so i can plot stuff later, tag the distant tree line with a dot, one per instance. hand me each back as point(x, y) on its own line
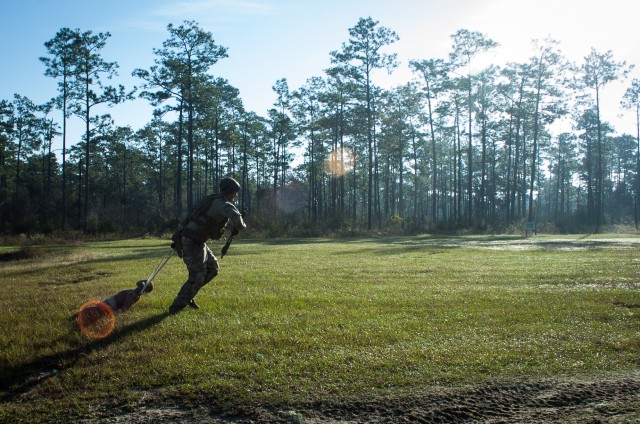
point(452, 149)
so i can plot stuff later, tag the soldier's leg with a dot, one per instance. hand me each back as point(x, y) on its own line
point(212, 266)
point(211, 271)
point(194, 257)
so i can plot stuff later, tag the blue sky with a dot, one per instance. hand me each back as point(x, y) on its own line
point(272, 39)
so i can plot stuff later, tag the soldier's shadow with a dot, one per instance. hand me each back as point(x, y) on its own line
point(19, 379)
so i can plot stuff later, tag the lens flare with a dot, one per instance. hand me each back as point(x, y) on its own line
point(340, 162)
point(95, 319)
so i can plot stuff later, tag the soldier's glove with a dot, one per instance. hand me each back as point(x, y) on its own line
point(234, 231)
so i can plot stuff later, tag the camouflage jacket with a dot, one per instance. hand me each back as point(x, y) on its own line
point(210, 223)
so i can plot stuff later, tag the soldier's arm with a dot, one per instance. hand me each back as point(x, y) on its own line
point(234, 216)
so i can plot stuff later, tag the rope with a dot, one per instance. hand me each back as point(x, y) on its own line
point(155, 272)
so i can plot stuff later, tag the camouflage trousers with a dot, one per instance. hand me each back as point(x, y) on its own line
point(202, 266)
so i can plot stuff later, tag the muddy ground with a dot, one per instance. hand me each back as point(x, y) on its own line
point(613, 399)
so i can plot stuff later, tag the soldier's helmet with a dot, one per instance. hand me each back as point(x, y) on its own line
point(229, 185)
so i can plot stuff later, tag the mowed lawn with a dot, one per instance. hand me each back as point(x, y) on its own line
point(291, 321)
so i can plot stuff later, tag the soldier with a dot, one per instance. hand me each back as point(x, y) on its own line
point(205, 222)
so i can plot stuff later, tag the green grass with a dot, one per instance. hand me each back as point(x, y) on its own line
point(291, 321)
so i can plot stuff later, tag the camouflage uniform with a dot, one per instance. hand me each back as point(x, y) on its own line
point(200, 261)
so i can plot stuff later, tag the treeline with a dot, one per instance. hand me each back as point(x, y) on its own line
point(452, 149)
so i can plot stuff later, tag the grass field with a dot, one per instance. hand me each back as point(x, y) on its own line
point(289, 323)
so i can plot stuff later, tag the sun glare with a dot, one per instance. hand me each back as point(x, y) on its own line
point(340, 162)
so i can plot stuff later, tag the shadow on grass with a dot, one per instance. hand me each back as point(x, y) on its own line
point(296, 241)
point(389, 239)
point(402, 244)
point(19, 379)
point(429, 244)
point(19, 255)
point(153, 255)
